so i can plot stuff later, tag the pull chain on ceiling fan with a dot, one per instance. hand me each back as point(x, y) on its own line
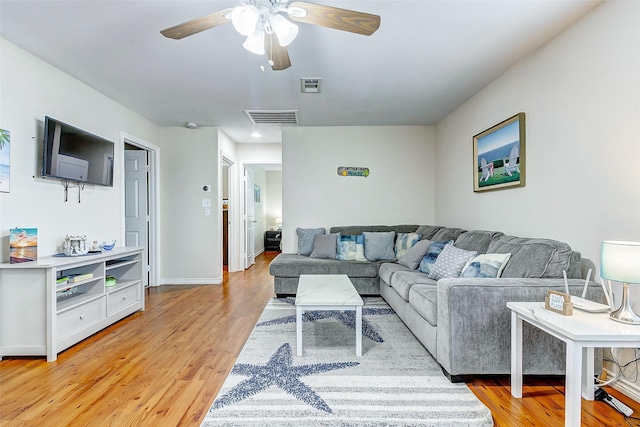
point(268, 31)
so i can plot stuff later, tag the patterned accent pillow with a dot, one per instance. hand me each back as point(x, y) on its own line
point(305, 239)
point(405, 241)
point(430, 257)
point(351, 248)
point(378, 246)
point(485, 265)
point(450, 262)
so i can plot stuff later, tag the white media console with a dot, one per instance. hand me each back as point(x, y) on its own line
point(39, 316)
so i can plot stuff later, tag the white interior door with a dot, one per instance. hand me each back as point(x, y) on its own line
point(249, 218)
point(136, 207)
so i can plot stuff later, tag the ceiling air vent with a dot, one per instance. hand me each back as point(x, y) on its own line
point(273, 117)
point(310, 84)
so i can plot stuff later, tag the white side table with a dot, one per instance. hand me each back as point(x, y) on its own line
point(582, 332)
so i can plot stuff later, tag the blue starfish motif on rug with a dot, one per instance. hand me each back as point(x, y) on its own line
point(348, 318)
point(279, 372)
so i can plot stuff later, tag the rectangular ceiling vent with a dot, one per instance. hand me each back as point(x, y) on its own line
point(310, 84)
point(273, 117)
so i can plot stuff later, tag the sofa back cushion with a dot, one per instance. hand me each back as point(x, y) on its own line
point(535, 258)
point(476, 240)
point(359, 229)
point(447, 233)
point(428, 231)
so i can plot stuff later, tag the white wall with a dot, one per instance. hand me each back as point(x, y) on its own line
point(399, 190)
point(191, 240)
point(581, 97)
point(29, 90)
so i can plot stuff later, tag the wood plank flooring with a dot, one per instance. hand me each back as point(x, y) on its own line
point(164, 367)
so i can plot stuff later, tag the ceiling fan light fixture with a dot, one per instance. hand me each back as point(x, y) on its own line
point(245, 18)
point(297, 12)
point(255, 42)
point(285, 31)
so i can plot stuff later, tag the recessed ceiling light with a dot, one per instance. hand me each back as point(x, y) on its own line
point(256, 135)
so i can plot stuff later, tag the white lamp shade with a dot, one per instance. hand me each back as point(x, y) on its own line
point(620, 261)
point(285, 30)
point(245, 18)
point(255, 42)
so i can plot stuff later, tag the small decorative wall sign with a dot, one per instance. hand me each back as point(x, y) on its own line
point(558, 303)
point(353, 171)
point(23, 245)
point(5, 164)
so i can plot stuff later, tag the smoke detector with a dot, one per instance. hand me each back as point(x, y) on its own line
point(310, 84)
point(191, 125)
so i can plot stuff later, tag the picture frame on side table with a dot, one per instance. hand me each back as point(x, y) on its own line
point(499, 156)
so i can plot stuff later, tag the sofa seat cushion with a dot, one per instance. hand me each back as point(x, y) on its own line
point(292, 265)
point(402, 281)
point(424, 300)
point(533, 258)
point(388, 269)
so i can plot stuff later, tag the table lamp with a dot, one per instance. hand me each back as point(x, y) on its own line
point(620, 262)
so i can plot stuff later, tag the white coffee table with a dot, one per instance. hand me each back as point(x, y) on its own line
point(327, 292)
point(581, 332)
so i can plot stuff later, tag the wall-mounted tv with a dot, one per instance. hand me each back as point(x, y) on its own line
point(76, 155)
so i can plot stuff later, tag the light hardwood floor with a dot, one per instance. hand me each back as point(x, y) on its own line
point(163, 367)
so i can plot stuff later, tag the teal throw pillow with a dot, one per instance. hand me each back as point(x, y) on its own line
point(430, 257)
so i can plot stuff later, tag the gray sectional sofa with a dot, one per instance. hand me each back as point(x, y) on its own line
point(463, 322)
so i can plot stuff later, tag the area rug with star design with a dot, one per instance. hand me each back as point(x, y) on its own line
point(396, 382)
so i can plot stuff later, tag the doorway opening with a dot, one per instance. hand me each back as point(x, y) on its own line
point(141, 161)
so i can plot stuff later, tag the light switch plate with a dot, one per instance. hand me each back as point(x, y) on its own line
point(206, 203)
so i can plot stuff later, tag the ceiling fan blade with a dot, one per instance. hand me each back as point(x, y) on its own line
point(339, 19)
point(276, 53)
point(196, 25)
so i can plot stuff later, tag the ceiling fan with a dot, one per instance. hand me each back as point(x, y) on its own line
point(268, 31)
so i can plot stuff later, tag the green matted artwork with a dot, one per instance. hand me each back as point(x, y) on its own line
point(5, 163)
point(499, 155)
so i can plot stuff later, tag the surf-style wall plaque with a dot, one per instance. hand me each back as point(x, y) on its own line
point(353, 171)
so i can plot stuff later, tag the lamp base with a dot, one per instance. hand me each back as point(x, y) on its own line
point(625, 313)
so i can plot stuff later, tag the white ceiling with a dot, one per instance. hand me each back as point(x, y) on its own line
point(427, 58)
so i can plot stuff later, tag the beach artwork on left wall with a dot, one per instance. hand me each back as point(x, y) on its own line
point(23, 245)
point(5, 165)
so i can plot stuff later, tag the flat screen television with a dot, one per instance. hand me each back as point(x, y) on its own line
point(76, 155)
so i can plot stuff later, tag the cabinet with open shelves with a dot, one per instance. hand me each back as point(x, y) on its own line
point(48, 305)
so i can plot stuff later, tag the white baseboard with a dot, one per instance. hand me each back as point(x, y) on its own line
point(625, 387)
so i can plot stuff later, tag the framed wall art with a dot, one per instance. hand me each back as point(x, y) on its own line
point(5, 160)
point(499, 155)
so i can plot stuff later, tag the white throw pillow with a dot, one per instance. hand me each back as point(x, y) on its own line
point(485, 265)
